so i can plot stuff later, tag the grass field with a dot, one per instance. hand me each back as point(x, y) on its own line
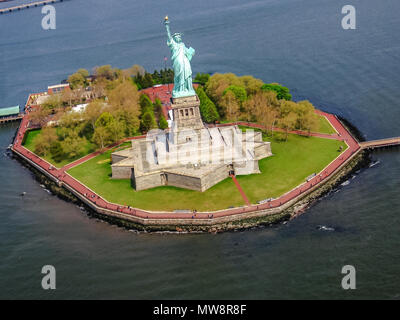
point(29, 143)
point(293, 161)
point(325, 126)
point(96, 174)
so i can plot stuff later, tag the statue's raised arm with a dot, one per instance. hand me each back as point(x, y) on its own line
point(166, 22)
point(180, 57)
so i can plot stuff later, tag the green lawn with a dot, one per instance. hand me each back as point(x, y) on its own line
point(325, 126)
point(96, 174)
point(29, 143)
point(30, 138)
point(293, 161)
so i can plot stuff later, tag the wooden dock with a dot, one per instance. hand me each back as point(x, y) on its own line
point(381, 143)
point(28, 5)
point(11, 118)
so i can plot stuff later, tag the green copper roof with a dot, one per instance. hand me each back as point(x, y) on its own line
point(9, 111)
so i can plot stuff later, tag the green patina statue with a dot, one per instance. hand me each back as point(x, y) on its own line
point(180, 56)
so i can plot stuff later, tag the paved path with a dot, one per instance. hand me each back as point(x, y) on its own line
point(239, 187)
point(63, 177)
point(381, 143)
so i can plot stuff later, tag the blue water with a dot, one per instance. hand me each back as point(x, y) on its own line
point(299, 43)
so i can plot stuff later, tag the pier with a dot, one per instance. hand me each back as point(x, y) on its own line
point(381, 143)
point(10, 114)
point(11, 118)
point(28, 5)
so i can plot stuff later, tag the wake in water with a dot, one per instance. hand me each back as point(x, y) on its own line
point(325, 228)
point(346, 183)
point(373, 164)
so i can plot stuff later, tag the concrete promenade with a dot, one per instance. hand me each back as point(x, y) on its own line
point(380, 143)
point(62, 178)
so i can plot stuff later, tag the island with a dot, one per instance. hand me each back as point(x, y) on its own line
point(158, 152)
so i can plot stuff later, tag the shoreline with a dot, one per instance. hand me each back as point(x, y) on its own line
point(241, 221)
point(286, 207)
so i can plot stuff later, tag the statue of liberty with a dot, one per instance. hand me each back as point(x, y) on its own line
point(180, 56)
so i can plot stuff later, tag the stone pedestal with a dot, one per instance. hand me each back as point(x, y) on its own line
point(186, 113)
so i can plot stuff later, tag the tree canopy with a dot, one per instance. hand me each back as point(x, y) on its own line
point(208, 110)
point(282, 92)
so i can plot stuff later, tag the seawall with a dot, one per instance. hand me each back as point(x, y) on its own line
point(244, 220)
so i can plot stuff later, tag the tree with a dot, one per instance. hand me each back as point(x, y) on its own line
point(44, 141)
point(104, 120)
point(70, 120)
point(251, 84)
point(93, 111)
point(83, 72)
point(116, 130)
point(282, 92)
point(239, 92)
point(53, 102)
point(108, 129)
point(145, 103)
point(148, 122)
point(104, 72)
point(76, 80)
point(101, 137)
point(167, 75)
point(288, 122)
point(306, 117)
point(202, 78)
point(263, 107)
point(133, 71)
point(147, 80)
point(73, 146)
point(217, 85)
point(116, 73)
point(162, 123)
point(99, 88)
point(137, 69)
point(56, 151)
point(287, 107)
point(157, 107)
point(79, 94)
point(38, 116)
point(230, 105)
point(67, 97)
point(124, 106)
point(208, 110)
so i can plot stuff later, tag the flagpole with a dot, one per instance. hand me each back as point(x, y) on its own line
point(165, 68)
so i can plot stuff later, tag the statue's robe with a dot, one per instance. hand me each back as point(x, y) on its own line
point(181, 56)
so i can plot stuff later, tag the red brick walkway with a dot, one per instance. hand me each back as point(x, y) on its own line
point(246, 200)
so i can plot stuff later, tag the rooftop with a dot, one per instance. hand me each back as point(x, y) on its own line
point(10, 111)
